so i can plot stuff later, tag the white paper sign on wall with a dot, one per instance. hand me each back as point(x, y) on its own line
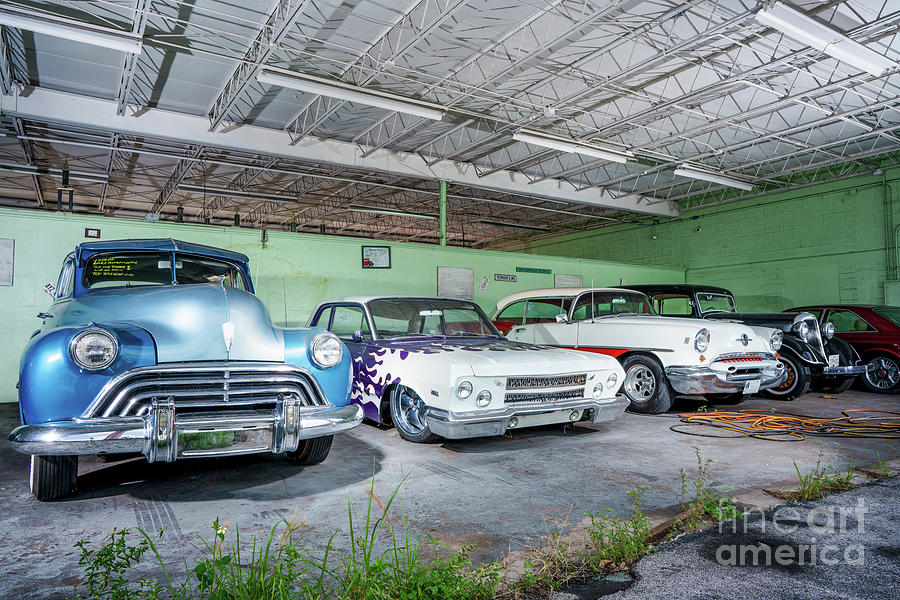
point(568, 281)
point(456, 282)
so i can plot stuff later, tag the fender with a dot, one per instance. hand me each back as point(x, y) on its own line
point(880, 350)
point(800, 350)
point(334, 381)
point(53, 388)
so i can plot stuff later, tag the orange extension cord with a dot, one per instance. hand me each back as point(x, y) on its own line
point(789, 427)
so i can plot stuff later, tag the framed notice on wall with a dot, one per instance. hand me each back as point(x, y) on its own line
point(376, 257)
point(563, 281)
point(7, 252)
point(456, 282)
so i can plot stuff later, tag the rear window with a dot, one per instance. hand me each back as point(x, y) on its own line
point(128, 269)
point(891, 313)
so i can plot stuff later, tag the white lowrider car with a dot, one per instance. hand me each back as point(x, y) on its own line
point(662, 356)
point(432, 366)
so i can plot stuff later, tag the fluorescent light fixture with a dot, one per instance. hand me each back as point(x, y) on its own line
point(695, 173)
point(385, 211)
point(350, 93)
point(514, 225)
point(57, 173)
point(199, 189)
point(544, 140)
point(67, 29)
point(802, 28)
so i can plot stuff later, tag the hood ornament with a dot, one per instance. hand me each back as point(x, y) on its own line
point(744, 339)
point(228, 334)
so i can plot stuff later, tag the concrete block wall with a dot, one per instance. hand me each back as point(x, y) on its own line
point(823, 243)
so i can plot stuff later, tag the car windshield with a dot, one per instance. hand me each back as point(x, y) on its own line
point(610, 304)
point(891, 313)
point(398, 317)
point(716, 302)
point(127, 269)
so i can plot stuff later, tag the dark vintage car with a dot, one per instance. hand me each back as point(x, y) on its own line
point(160, 347)
point(874, 332)
point(811, 354)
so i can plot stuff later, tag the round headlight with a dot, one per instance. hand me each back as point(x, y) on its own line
point(612, 380)
point(701, 340)
point(801, 329)
point(828, 330)
point(327, 350)
point(598, 391)
point(94, 349)
point(483, 398)
point(463, 390)
point(776, 340)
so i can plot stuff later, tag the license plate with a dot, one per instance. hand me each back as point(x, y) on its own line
point(751, 387)
point(834, 360)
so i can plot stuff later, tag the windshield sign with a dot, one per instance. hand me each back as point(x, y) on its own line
point(155, 268)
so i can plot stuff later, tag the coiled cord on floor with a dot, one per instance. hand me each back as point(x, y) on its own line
point(790, 427)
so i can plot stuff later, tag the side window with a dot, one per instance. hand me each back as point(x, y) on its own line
point(65, 286)
point(543, 310)
point(674, 306)
point(582, 308)
point(515, 312)
point(846, 321)
point(322, 319)
point(348, 319)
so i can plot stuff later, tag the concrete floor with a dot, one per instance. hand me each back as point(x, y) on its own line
point(499, 493)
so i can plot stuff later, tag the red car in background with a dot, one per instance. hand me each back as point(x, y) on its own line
point(874, 332)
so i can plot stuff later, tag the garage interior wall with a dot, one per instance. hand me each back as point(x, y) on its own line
point(292, 273)
point(831, 242)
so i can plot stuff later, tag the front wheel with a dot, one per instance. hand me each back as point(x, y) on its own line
point(646, 385)
point(797, 382)
point(312, 451)
point(883, 374)
point(731, 399)
point(53, 477)
point(408, 415)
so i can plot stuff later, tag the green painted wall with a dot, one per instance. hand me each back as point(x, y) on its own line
point(292, 273)
point(824, 243)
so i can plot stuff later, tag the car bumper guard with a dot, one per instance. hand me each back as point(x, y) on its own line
point(704, 380)
point(164, 435)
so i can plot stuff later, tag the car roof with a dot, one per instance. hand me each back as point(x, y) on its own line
point(676, 287)
point(869, 306)
point(365, 299)
point(162, 245)
point(550, 292)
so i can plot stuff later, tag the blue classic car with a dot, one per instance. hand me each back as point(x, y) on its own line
point(159, 347)
point(438, 367)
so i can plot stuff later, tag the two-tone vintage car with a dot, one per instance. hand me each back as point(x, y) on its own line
point(159, 347)
point(812, 355)
point(662, 357)
point(438, 367)
point(874, 332)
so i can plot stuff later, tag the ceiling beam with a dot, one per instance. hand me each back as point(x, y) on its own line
point(46, 105)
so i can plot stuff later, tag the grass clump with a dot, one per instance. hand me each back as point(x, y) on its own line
point(703, 504)
point(819, 481)
point(616, 541)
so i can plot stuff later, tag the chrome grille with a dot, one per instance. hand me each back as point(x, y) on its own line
point(741, 357)
point(524, 383)
point(205, 386)
point(544, 397)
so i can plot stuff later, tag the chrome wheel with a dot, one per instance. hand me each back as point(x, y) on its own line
point(640, 383)
point(883, 373)
point(409, 412)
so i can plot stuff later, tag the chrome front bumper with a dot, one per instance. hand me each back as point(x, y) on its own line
point(162, 435)
point(459, 425)
point(705, 380)
point(859, 368)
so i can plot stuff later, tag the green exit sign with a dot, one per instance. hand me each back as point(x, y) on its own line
point(533, 270)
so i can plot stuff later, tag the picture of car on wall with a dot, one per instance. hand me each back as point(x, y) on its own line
point(723, 362)
point(160, 347)
point(438, 367)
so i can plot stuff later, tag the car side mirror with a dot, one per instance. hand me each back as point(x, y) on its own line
point(358, 336)
point(562, 318)
point(50, 289)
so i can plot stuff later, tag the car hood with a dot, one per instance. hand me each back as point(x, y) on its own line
point(493, 357)
point(198, 322)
